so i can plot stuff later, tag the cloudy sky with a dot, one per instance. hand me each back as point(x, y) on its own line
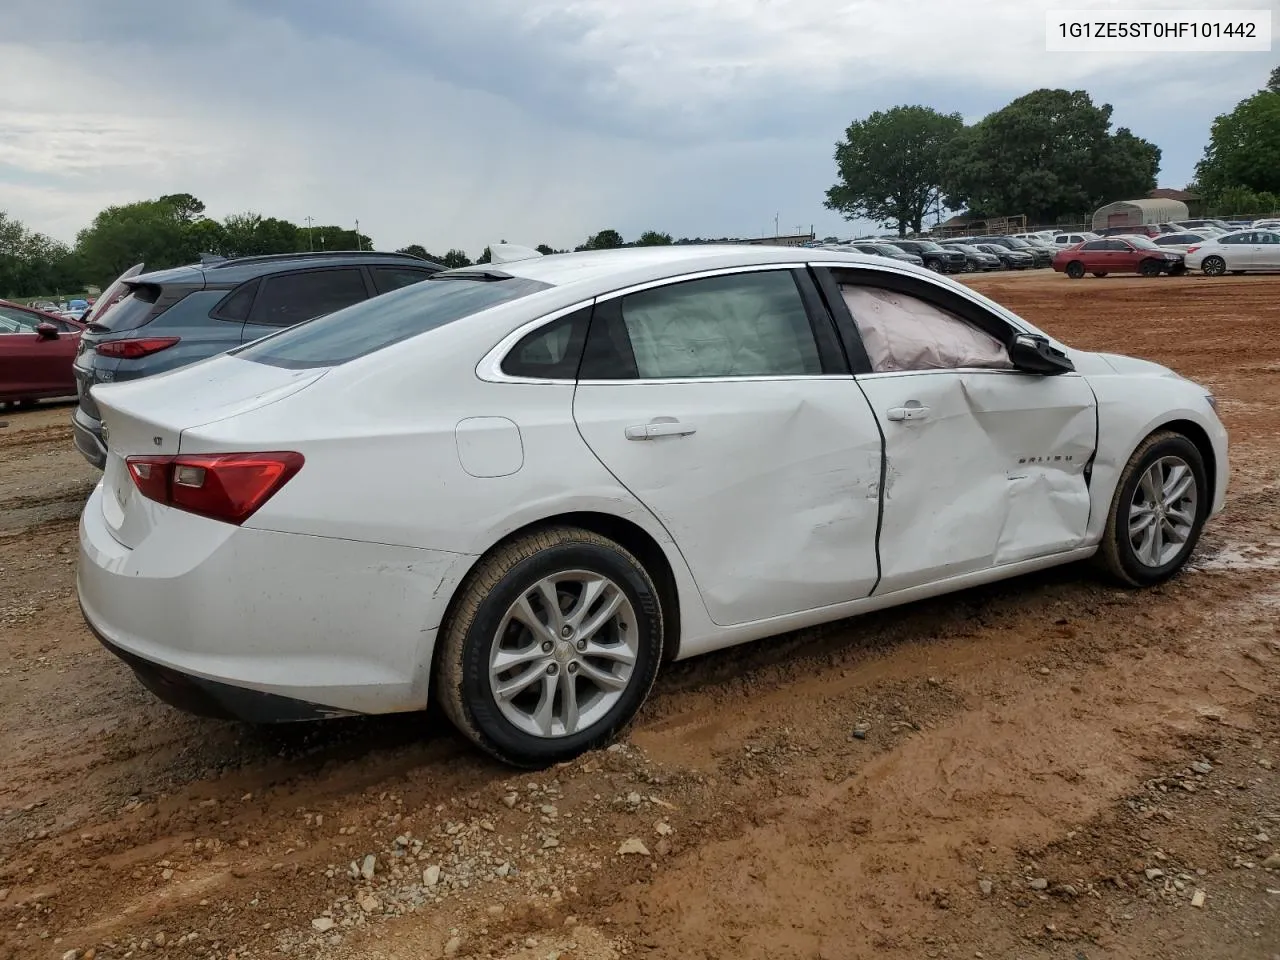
point(535, 121)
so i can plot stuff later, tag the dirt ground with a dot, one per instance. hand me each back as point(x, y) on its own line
point(1049, 767)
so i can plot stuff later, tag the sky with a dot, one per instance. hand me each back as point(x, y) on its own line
point(532, 121)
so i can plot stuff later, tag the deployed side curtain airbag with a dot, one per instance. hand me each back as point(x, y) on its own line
point(742, 325)
point(901, 332)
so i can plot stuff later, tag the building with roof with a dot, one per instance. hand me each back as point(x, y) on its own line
point(1132, 213)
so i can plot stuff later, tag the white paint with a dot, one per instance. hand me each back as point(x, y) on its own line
point(767, 500)
point(333, 591)
point(993, 475)
point(489, 446)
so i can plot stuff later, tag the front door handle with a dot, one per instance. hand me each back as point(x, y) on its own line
point(659, 428)
point(912, 410)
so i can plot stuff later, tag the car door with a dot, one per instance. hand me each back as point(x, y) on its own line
point(285, 299)
point(984, 465)
point(723, 403)
point(1266, 245)
point(1255, 251)
point(1093, 255)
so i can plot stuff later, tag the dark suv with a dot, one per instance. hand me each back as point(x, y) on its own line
point(170, 318)
point(935, 257)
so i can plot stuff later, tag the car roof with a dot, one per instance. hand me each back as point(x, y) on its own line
point(229, 272)
point(605, 270)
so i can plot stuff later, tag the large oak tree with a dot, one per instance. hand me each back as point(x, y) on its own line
point(890, 165)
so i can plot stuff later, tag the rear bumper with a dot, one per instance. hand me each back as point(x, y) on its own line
point(86, 432)
point(210, 698)
point(236, 621)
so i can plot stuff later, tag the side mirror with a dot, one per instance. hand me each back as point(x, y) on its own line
point(1033, 354)
point(46, 331)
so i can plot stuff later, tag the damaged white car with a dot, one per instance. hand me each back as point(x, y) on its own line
point(519, 488)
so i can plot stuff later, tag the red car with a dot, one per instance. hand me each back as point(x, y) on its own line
point(1118, 255)
point(36, 351)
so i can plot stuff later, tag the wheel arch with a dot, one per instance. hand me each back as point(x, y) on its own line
point(626, 533)
point(1200, 438)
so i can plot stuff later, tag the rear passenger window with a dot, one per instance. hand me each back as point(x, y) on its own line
point(295, 297)
point(1095, 245)
point(387, 279)
point(551, 352)
point(236, 307)
point(741, 325)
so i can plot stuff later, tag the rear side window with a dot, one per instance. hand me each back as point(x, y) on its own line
point(376, 324)
point(387, 279)
point(551, 352)
point(293, 297)
point(1095, 245)
point(236, 306)
point(131, 312)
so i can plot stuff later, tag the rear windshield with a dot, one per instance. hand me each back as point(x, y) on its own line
point(129, 313)
point(371, 325)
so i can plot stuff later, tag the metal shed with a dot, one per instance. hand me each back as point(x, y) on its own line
point(1132, 213)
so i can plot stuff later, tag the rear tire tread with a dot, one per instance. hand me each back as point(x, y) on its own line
point(477, 586)
point(1108, 558)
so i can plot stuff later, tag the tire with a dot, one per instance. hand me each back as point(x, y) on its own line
point(465, 683)
point(1117, 555)
point(1213, 266)
point(1150, 268)
point(935, 265)
point(1075, 270)
point(1103, 274)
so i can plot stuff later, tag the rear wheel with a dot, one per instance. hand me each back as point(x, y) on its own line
point(552, 647)
point(1214, 266)
point(1157, 513)
point(1150, 268)
point(1075, 270)
point(935, 266)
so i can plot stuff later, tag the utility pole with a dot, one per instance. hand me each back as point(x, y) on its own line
point(775, 223)
point(357, 234)
point(311, 243)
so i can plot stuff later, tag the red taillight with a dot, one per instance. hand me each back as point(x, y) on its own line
point(133, 349)
point(1193, 249)
point(222, 486)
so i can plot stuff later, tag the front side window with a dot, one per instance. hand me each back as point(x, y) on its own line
point(902, 332)
point(739, 325)
point(1263, 236)
point(293, 297)
point(17, 321)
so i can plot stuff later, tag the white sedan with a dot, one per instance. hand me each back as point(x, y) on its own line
point(1240, 252)
point(521, 487)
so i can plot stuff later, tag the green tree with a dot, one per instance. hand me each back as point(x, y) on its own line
point(331, 238)
point(485, 257)
point(154, 232)
point(33, 264)
point(250, 234)
point(1047, 154)
point(652, 238)
point(455, 258)
point(1273, 81)
point(1244, 148)
point(545, 250)
point(604, 240)
point(890, 165)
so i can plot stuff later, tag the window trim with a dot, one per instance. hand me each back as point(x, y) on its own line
point(489, 369)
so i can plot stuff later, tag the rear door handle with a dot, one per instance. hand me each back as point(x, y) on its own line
point(911, 411)
point(659, 428)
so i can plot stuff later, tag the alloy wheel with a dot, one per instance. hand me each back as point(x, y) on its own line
point(564, 654)
point(1214, 266)
point(1162, 514)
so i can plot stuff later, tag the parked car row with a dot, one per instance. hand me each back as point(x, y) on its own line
point(957, 254)
point(1173, 254)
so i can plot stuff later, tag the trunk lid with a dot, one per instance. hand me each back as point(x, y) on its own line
point(147, 418)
